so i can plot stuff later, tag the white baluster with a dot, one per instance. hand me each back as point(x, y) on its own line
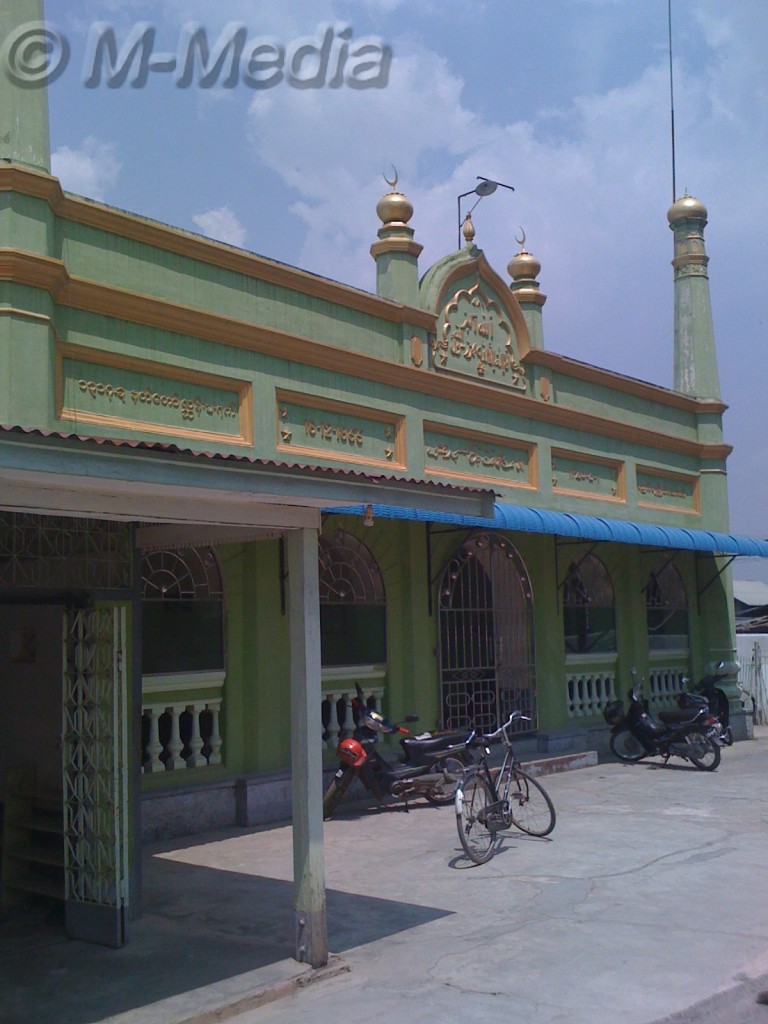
point(174, 745)
point(154, 747)
point(195, 759)
point(333, 723)
point(215, 741)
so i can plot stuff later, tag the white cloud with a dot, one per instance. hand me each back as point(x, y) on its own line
point(90, 170)
point(222, 225)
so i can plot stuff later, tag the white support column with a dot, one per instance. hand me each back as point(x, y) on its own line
point(333, 725)
point(306, 748)
point(214, 706)
point(174, 745)
point(195, 759)
point(154, 746)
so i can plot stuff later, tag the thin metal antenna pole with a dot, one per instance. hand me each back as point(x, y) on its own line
point(671, 99)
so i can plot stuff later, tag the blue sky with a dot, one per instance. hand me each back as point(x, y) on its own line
point(566, 100)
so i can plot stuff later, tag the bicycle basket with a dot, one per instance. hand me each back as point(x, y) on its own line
point(614, 712)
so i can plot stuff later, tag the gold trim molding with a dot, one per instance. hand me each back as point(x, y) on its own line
point(107, 300)
point(164, 236)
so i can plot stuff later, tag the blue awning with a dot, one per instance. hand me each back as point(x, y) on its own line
point(579, 527)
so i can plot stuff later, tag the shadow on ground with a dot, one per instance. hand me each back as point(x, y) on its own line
point(203, 927)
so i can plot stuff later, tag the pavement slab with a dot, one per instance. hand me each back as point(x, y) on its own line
point(647, 904)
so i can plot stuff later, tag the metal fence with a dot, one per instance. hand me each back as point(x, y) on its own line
point(752, 654)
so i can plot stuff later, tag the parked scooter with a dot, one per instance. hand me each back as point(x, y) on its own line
point(677, 732)
point(430, 766)
point(717, 703)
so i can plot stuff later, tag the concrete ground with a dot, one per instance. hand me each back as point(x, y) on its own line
point(649, 903)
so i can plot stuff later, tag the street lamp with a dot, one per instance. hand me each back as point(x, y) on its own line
point(484, 187)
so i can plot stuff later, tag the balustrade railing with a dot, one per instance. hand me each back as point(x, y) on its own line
point(338, 692)
point(181, 721)
point(666, 682)
point(589, 686)
point(181, 715)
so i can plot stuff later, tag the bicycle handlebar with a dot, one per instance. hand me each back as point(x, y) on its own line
point(516, 716)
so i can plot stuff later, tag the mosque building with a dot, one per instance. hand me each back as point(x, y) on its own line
point(230, 490)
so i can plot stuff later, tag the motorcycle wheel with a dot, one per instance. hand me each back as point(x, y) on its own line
point(455, 768)
point(727, 736)
point(335, 792)
point(704, 752)
point(625, 747)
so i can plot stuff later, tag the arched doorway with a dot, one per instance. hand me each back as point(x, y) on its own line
point(487, 664)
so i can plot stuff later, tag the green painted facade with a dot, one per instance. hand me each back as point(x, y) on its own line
point(259, 376)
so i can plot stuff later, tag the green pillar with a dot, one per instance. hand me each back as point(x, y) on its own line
point(23, 107)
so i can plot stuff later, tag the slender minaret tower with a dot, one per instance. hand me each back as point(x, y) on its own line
point(695, 357)
point(396, 253)
point(23, 107)
point(524, 268)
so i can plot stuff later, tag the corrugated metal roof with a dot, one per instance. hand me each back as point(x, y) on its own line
point(574, 525)
point(294, 467)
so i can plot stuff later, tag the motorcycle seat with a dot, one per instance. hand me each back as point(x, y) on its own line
point(675, 716)
point(433, 744)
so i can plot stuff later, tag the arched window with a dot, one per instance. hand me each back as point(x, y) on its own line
point(666, 610)
point(353, 621)
point(183, 611)
point(589, 608)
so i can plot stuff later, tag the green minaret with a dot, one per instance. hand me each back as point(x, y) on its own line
point(695, 357)
point(524, 268)
point(23, 109)
point(396, 253)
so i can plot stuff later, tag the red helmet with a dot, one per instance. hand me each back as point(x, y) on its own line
point(351, 752)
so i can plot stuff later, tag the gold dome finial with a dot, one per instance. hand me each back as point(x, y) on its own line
point(523, 266)
point(687, 207)
point(468, 229)
point(394, 209)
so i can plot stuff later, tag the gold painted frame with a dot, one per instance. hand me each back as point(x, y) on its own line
point(241, 390)
point(592, 460)
point(665, 474)
point(398, 459)
point(465, 434)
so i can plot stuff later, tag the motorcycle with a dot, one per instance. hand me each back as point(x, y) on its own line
point(430, 765)
point(717, 702)
point(676, 732)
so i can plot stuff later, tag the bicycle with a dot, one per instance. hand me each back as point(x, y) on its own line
point(490, 800)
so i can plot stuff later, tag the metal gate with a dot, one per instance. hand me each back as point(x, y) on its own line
point(95, 763)
point(487, 665)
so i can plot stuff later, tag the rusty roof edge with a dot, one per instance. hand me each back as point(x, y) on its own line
point(299, 469)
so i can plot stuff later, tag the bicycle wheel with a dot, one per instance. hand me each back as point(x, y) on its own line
point(473, 796)
point(704, 751)
point(530, 808)
point(336, 790)
point(624, 746)
point(454, 770)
